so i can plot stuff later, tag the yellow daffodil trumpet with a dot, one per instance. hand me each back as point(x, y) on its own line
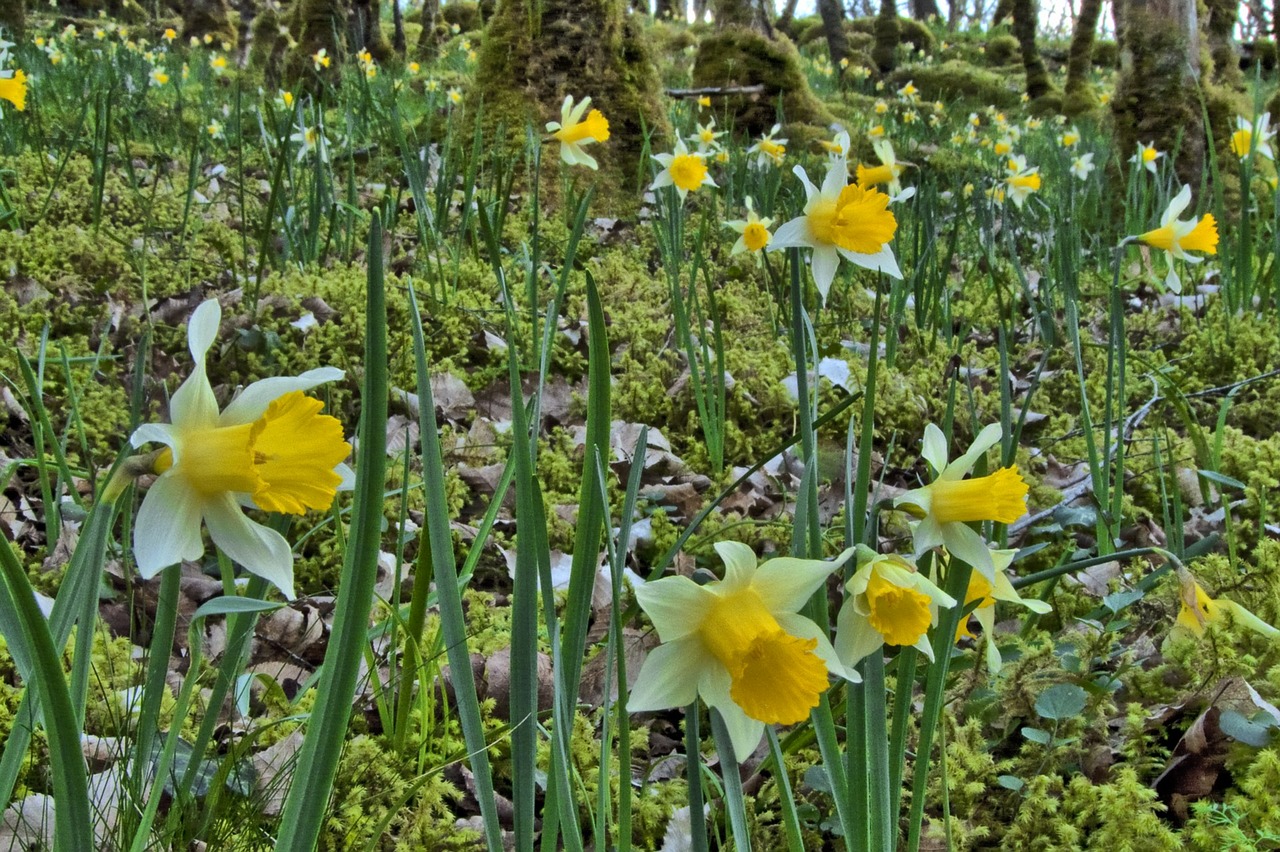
point(889, 603)
point(573, 131)
point(1175, 237)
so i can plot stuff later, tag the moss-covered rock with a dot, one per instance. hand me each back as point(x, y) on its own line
point(464, 15)
point(268, 45)
point(910, 31)
point(1001, 50)
point(736, 56)
point(957, 79)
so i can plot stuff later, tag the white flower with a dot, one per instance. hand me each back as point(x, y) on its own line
point(1082, 166)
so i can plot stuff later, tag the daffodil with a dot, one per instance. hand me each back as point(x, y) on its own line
point(704, 101)
point(886, 173)
point(455, 96)
point(946, 506)
point(1082, 166)
point(1146, 157)
point(270, 448)
point(13, 88)
point(1198, 610)
point(1070, 138)
point(1253, 136)
point(1175, 237)
point(170, 34)
point(218, 63)
point(889, 602)
point(769, 150)
point(739, 643)
point(986, 593)
point(707, 138)
point(573, 131)
point(838, 147)
point(753, 232)
point(159, 77)
point(1023, 180)
point(841, 220)
point(909, 92)
point(1003, 147)
point(686, 171)
point(320, 59)
point(311, 139)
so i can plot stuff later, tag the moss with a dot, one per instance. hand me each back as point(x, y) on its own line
point(1001, 50)
point(209, 17)
point(737, 56)
point(956, 79)
point(910, 31)
point(1106, 54)
point(269, 43)
point(1247, 818)
point(465, 15)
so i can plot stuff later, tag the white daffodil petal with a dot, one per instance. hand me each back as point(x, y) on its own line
point(1176, 205)
point(663, 179)
point(348, 477)
point(202, 328)
point(792, 234)
point(966, 545)
point(881, 261)
point(193, 404)
point(675, 605)
point(258, 549)
point(826, 260)
point(926, 534)
point(934, 448)
point(786, 583)
point(152, 433)
point(987, 438)
point(739, 566)
point(836, 178)
point(252, 402)
point(167, 528)
point(855, 637)
point(810, 191)
point(669, 676)
point(744, 732)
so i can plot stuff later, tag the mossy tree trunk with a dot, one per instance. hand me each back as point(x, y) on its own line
point(397, 18)
point(750, 14)
point(1004, 8)
point(1219, 27)
point(922, 10)
point(833, 28)
point(207, 17)
point(1080, 96)
point(317, 25)
point(1156, 99)
point(429, 38)
point(665, 10)
point(885, 51)
point(788, 15)
point(954, 10)
point(13, 19)
point(1025, 18)
point(529, 61)
point(268, 45)
point(366, 27)
point(700, 10)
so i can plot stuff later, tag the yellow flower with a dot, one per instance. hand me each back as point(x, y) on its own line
point(573, 131)
point(946, 506)
point(739, 643)
point(455, 96)
point(1198, 610)
point(218, 63)
point(704, 101)
point(320, 59)
point(1104, 98)
point(886, 173)
point(881, 107)
point(841, 221)
point(286, 99)
point(708, 138)
point(753, 232)
point(14, 90)
point(1242, 141)
point(414, 68)
point(876, 132)
point(170, 34)
point(839, 146)
point(1022, 180)
point(909, 91)
point(986, 593)
point(159, 77)
point(1003, 147)
point(682, 169)
point(889, 602)
point(1070, 138)
point(768, 150)
point(1175, 237)
point(270, 448)
point(1146, 157)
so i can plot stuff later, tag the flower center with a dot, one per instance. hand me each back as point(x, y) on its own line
point(1030, 182)
point(1149, 155)
point(1203, 237)
point(858, 221)
point(776, 677)
point(774, 150)
point(870, 176)
point(898, 614)
point(688, 171)
point(755, 236)
point(1002, 497)
point(595, 128)
point(980, 591)
point(285, 459)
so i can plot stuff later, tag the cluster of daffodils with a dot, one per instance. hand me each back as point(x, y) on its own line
point(367, 64)
point(1176, 237)
point(741, 644)
point(269, 449)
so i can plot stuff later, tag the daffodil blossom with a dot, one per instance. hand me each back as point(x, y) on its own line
point(682, 169)
point(1253, 136)
point(707, 137)
point(311, 139)
point(1198, 610)
point(884, 174)
point(1082, 166)
point(1175, 237)
point(739, 643)
point(753, 232)
point(270, 448)
point(1022, 180)
point(946, 506)
point(573, 131)
point(986, 593)
point(838, 147)
point(1146, 157)
point(889, 602)
point(841, 220)
point(13, 88)
point(768, 150)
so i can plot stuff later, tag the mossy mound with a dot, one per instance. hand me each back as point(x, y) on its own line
point(590, 48)
point(465, 16)
point(1002, 50)
point(1261, 52)
point(268, 45)
point(209, 18)
point(737, 56)
point(958, 79)
point(1106, 54)
point(910, 31)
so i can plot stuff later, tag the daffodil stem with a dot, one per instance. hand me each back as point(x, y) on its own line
point(884, 821)
point(790, 817)
point(693, 772)
point(731, 774)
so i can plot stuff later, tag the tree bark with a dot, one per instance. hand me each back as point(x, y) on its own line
point(207, 17)
point(833, 28)
point(1025, 19)
point(318, 24)
point(1004, 8)
point(749, 14)
point(397, 18)
point(885, 51)
point(922, 10)
point(1080, 55)
point(664, 10)
point(13, 19)
point(788, 15)
point(428, 39)
point(1219, 27)
point(1156, 99)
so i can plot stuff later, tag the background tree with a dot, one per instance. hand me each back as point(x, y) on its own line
point(1026, 16)
point(664, 10)
point(13, 19)
point(535, 53)
point(833, 28)
point(1219, 32)
point(432, 34)
point(1080, 96)
point(317, 25)
point(885, 51)
point(923, 10)
point(1156, 99)
point(208, 17)
point(746, 50)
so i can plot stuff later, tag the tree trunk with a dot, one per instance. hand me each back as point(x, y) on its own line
point(923, 10)
point(665, 10)
point(207, 17)
point(788, 15)
point(885, 51)
point(13, 19)
point(397, 18)
point(833, 28)
point(1156, 99)
point(429, 39)
point(1025, 19)
point(318, 25)
point(700, 10)
point(749, 14)
point(954, 10)
point(1004, 8)
point(1219, 28)
point(366, 27)
point(1080, 57)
